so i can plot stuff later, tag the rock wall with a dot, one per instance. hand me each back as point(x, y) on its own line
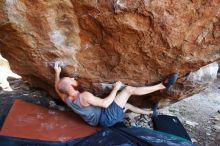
point(136, 41)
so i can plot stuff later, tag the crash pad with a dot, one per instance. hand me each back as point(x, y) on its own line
point(27, 120)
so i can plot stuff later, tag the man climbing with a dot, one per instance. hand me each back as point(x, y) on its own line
point(109, 110)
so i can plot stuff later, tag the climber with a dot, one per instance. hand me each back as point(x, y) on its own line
point(109, 110)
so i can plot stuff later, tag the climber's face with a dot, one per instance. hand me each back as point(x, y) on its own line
point(68, 86)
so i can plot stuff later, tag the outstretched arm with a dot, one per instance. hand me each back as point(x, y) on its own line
point(57, 69)
point(96, 101)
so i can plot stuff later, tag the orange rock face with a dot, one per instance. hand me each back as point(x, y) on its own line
point(138, 42)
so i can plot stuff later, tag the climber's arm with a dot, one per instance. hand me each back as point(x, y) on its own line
point(57, 69)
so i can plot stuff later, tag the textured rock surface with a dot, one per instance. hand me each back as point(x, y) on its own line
point(138, 42)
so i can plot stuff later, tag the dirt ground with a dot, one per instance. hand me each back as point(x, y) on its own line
point(198, 113)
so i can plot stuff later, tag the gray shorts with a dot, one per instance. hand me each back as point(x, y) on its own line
point(111, 115)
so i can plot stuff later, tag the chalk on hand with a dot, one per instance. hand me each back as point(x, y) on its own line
point(52, 63)
point(108, 86)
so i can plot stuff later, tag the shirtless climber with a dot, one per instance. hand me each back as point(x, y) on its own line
point(109, 110)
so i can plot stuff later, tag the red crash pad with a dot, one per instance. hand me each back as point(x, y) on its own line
point(27, 120)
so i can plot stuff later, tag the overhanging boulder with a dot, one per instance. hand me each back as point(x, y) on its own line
point(137, 42)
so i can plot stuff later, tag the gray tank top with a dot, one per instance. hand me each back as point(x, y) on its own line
point(90, 114)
